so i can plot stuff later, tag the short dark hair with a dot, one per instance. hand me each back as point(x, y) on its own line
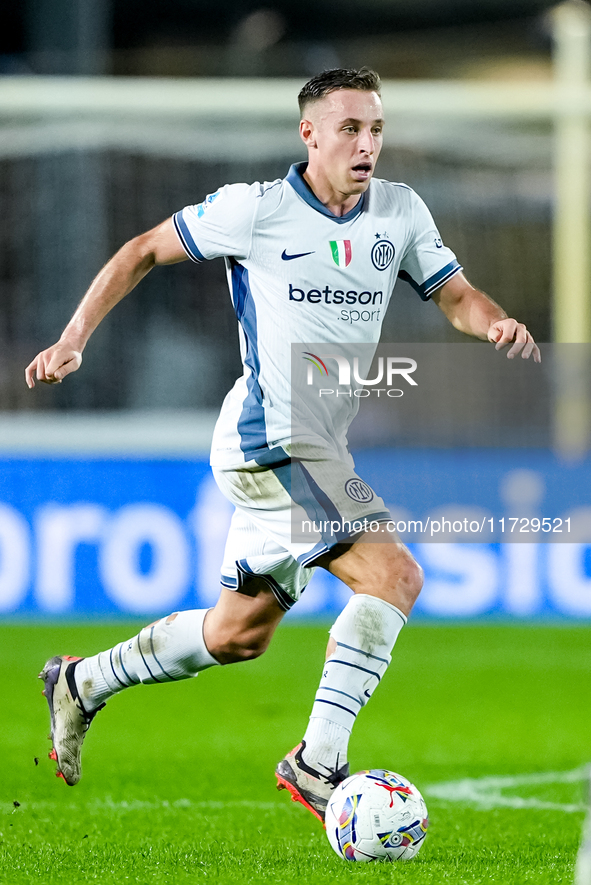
point(364, 79)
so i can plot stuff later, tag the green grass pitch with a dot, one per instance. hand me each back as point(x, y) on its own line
point(178, 779)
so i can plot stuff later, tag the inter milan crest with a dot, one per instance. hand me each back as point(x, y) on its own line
point(382, 253)
point(358, 490)
point(341, 252)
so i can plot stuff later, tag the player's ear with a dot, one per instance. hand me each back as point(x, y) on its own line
point(307, 133)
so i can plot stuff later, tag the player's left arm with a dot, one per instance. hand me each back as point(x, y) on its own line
point(471, 311)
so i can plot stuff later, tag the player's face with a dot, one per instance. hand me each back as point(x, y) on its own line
point(343, 132)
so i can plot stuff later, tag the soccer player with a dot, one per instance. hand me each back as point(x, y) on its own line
point(301, 258)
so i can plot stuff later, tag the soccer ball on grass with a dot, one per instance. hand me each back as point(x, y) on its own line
point(376, 815)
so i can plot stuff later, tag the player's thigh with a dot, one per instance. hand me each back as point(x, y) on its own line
point(378, 564)
point(241, 625)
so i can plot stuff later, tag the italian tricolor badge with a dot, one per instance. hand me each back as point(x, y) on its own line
point(341, 252)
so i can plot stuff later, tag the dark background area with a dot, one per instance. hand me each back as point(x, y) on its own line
point(284, 37)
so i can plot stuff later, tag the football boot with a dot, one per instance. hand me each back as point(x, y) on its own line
point(307, 785)
point(69, 720)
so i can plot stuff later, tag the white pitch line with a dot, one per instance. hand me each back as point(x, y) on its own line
point(486, 792)
point(482, 792)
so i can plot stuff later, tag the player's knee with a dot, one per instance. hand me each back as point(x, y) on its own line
point(412, 578)
point(403, 570)
point(407, 577)
point(400, 579)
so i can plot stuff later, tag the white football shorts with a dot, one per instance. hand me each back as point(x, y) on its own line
point(287, 515)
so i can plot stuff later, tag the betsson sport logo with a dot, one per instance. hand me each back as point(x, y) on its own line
point(388, 368)
point(368, 304)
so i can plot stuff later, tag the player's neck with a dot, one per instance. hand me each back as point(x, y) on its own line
point(337, 203)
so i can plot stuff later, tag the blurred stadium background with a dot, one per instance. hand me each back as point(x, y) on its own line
point(115, 115)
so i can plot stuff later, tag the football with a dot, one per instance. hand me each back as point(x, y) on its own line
point(376, 815)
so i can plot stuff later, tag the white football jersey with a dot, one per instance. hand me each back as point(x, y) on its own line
point(297, 273)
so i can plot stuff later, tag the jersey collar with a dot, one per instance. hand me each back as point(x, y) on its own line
point(295, 176)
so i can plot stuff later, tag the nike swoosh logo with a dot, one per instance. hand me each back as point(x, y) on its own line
point(287, 257)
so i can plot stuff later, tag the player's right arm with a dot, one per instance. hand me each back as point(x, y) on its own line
point(118, 277)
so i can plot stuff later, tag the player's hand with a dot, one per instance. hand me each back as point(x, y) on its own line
point(52, 365)
point(509, 331)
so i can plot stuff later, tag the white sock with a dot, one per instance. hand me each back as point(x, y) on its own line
point(166, 651)
point(365, 633)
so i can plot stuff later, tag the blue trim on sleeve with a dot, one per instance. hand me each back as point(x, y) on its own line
point(434, 282)
point(187, 241)
point(441, 277)
point(298, 183)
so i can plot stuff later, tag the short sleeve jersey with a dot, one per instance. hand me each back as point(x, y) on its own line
point(298, 273)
